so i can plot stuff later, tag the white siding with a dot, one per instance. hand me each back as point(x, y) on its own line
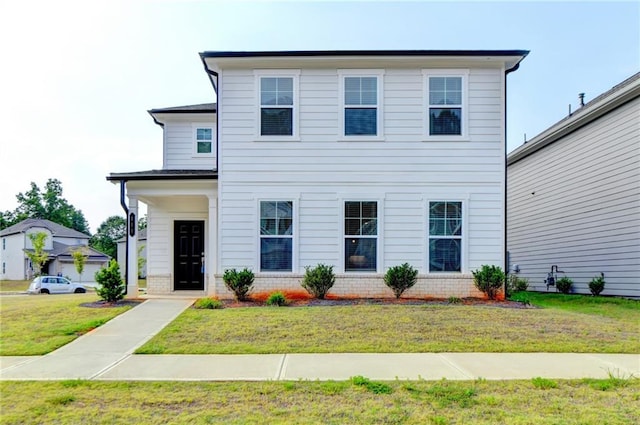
point(179, 145)
point(576, 204)
point(13, 257)
point(403, 171)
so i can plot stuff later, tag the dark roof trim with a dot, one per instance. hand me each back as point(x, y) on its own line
point(187, 109)
point(308, 53)
point(164, 175)
point(617, 96)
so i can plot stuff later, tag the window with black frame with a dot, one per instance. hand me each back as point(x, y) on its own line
point(445, 236)
point(360, 235)
point(276, 236)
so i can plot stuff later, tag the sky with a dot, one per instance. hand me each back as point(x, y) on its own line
point(76, 78)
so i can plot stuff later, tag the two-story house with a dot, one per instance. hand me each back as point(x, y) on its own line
point(357, 159)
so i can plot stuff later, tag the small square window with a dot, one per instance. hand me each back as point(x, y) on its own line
point(204, 140)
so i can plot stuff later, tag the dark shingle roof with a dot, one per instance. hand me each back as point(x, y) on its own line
point(55, 228)
point(164, 175)
point(202, 107)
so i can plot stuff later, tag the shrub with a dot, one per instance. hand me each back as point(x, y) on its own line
point(454, 300)
point(400, 278)
point(208, 304)
point(596, 285)
point(239, 282)
point(318, 280)
point(564, 285)
point(277, 299)
point(111, 287)
point(489, 279)
point(516, 284)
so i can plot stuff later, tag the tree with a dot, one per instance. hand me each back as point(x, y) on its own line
point(79, 260)
point(111, 288)
point(107, 235)
point(38, 256)
point(45, 204)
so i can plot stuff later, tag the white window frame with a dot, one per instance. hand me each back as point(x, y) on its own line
point(379, 232)
point(379, 75)
point(464, 122)
point(463, 238)
point(295, 115)
point(195, 128)
point(293, 236)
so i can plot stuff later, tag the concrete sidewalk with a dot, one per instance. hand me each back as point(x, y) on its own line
point(106, 354)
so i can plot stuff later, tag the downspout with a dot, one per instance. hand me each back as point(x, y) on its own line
point(506, 252)
point(213, 74)
point(126, 243)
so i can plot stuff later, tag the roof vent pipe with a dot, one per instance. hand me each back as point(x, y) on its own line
point(581, 97)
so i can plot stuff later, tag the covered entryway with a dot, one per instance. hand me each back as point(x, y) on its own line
point(188, 254)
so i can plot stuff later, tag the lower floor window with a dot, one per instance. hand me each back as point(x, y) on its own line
point(361, 236)
point(276, 236)
point(445, 236)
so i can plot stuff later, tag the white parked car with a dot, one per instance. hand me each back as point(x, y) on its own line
point(54, 285)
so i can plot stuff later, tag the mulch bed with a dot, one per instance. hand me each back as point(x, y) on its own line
point(122, 303)
point(313, 302)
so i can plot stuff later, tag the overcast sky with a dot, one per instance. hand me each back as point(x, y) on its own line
point(77, 78)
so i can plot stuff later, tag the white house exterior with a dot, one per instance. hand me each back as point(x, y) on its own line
point(574, 196)
point(357, 159)
point(59, 245)
point(141, 253)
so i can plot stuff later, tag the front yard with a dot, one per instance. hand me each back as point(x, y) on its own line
point(566, 324)
point(38, 324)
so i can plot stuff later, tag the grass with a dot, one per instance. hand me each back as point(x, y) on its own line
point(14, 285)
point(39, 324)
point(358, 401)
point(581, 326)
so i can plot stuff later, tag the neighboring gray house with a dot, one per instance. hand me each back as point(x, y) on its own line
point(362, 160)
point(59, 244)
point(574, 196)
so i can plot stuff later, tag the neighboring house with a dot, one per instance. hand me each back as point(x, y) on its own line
point(141, 250)
point(574, 196)
point(59, 245)
point(358, 159)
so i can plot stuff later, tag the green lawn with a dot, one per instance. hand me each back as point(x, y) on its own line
point(573, 324)
point(38, 324)
point(14, 285)
point(359, 401)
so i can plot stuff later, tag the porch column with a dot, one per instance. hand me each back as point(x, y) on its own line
point(132, 243)
point(211, 264)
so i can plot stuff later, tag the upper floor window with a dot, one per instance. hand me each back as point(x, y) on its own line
point(276, 236)
point(204, 140)
point(360, 236)
point(446, 98)
point(445, 236)
point(361, 113)
point(277, 105)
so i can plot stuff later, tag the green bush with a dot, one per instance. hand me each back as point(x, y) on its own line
point(400, 278)
point(544, 383)
point(596, 285)
point(111, 288)
point(489, 279)
point(516, 284)
point(208, 303)
point(564, 285)
point(239, 282)
point(371, 386)
point(318, 280)
point(277, 299)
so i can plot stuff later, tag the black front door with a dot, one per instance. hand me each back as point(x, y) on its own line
point(188, 254)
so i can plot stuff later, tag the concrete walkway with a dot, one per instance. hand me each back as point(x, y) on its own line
point(106, 354)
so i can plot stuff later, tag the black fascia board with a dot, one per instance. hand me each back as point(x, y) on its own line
point(301, 53)
point(155, 177)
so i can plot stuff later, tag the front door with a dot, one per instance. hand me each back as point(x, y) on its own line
point(188, 255)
